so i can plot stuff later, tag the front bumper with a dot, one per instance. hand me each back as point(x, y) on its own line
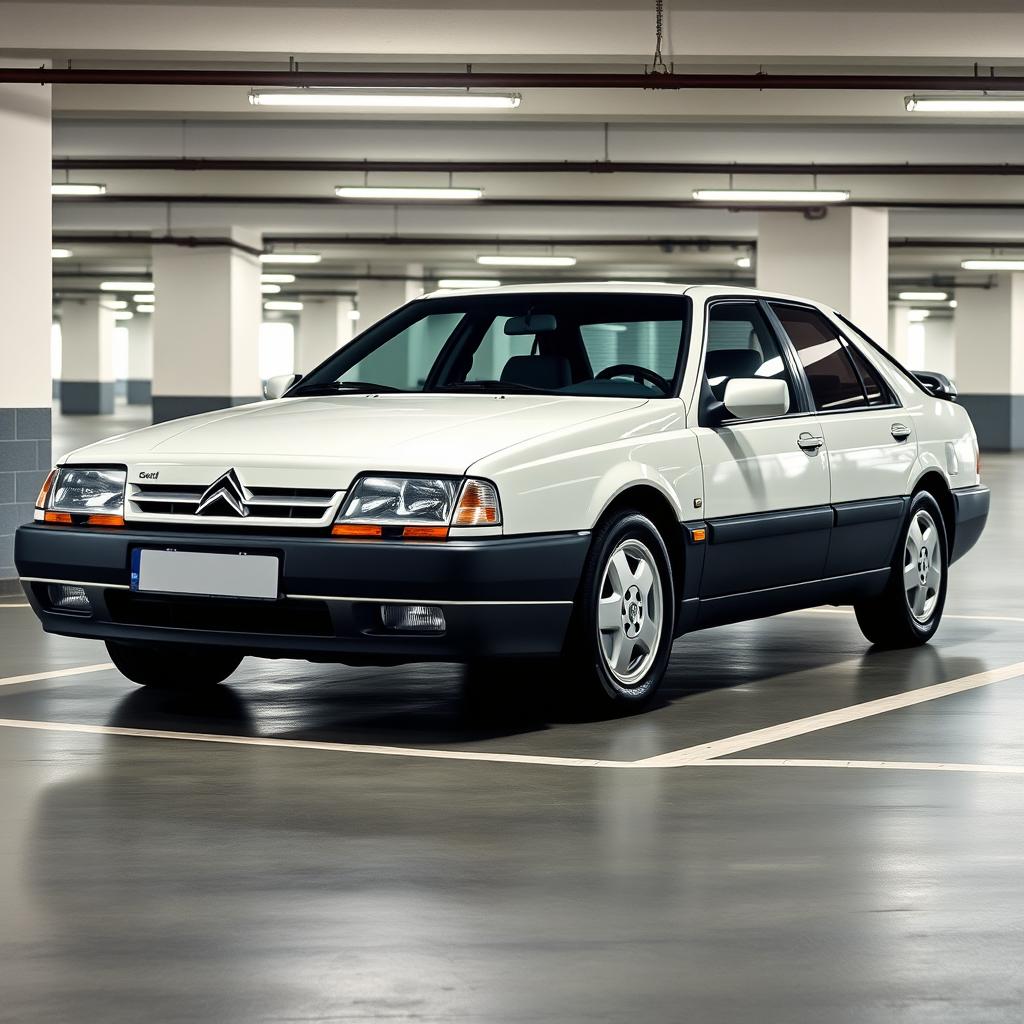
point(971, 512)
point(501, 596)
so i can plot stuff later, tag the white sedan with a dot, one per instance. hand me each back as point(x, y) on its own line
point(581, 472)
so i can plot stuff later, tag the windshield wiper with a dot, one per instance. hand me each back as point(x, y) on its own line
point(345, 387)
point(496, 386)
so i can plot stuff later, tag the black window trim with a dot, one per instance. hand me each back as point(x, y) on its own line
point(888, 357)
point(893, 403)
point(802, 390)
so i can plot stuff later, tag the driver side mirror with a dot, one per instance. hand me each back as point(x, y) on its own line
point(749, 398)
point(937, 384)
point(277, 386)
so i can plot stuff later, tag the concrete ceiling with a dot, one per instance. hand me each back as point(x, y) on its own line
point(617, 224)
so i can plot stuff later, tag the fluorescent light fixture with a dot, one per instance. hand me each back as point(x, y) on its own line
point(992, 264)
point(290, 257)
point(915, 316)
point(145, 307)
point(526, 261)
point(354, 314)
point(405, 192)
point(126, 286)
point(282, 304)
point(976, 104)
point(277, 278)
point(614, 328)
point(270, 289)
point(60, 254)
point(743, 262)
point(123, 314)
point(70, 188)
point(143, 297)
point(771, 195)
point(385, 99)
point(116, 304)
point(468, 282)
point(923, 296)
point(953, 303)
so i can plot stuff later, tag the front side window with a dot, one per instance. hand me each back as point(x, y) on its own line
point(618, 345)
point(823, 353)
point(740, 344)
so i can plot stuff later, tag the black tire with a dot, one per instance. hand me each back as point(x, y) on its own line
point(178, 667)
point(890, 620)
point(586, 658)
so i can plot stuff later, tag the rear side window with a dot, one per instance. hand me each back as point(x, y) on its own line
point(878, 393)
point(824, 355)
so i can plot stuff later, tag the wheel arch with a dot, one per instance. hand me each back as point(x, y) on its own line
point(935, 483)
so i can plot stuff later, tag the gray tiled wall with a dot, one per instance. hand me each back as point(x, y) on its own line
point(25, 459)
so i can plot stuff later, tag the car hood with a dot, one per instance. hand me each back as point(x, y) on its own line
point(409, 432)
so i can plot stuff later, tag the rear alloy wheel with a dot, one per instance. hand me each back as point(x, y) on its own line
point(179, 667)
point(909, 610)
point(622, 633)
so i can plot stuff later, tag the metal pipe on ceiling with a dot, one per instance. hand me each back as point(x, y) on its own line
point(512, 80)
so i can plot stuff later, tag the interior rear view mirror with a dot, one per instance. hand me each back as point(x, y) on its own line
point(937, 384)
point(749, 398)
point(532, 323)
point(277, 386)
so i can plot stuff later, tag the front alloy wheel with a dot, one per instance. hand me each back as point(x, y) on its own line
point(621, 635)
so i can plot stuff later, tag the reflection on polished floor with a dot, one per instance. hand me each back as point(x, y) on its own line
point(150, 876)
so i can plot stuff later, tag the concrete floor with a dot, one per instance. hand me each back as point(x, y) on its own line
point(476, 865)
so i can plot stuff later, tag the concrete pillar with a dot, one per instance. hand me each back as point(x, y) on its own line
point(940, 345)
point(25, 298)
point(206, 326)
point(324, 326)
point(377, 299)
point(140, 359)
point(899, 333)
point(87, 357)
point(989, 326)
point(841, 260)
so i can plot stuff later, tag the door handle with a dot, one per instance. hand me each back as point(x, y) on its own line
point(809, 443)
point(900, 431)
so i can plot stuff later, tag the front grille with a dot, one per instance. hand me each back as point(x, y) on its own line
point(309, 506)
point(268, 618)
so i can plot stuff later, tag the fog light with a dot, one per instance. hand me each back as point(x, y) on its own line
point(66, 598)
point(412, 618)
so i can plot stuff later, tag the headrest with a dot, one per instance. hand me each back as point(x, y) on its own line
point(733, 362)
point(545, 372)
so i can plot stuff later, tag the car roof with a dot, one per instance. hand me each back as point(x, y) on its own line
point(697, 291)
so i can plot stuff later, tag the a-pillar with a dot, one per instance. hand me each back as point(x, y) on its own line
point(140, 359)
point(25, 298)
point(989, 326)
point(206, 324)
point(87, 356)
point(324, 326)
point(840, 259)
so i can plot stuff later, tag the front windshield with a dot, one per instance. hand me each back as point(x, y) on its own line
point(623, 345)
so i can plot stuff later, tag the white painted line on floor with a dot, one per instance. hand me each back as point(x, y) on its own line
point(24, 604)
point(341, 748)
point(56, 673)
point(903, 766)
point(945, 615)
point(801, 726)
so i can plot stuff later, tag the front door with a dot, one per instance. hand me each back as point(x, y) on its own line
point(766, 481)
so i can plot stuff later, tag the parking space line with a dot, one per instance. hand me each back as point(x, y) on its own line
point(814, 723)
point(905, 766)
point(343, 748)
point(24, 604)
point(56, 673)
point(945, 615)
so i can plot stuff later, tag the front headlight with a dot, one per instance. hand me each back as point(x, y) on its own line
point(415, 506)
point(85, 491)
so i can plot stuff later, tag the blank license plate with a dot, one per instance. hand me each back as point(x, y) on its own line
point(205, 573)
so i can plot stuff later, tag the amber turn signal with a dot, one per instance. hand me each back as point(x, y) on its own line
point(58, 517)
point(478, 505)
point(355, 530)
point(44, 491)
point(104, 520)
point(426, 532)
point(698, 535)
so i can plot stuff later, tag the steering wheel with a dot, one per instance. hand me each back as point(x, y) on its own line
point(638, 373)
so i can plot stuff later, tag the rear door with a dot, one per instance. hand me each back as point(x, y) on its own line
point(766, 481)
point(869, 439)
